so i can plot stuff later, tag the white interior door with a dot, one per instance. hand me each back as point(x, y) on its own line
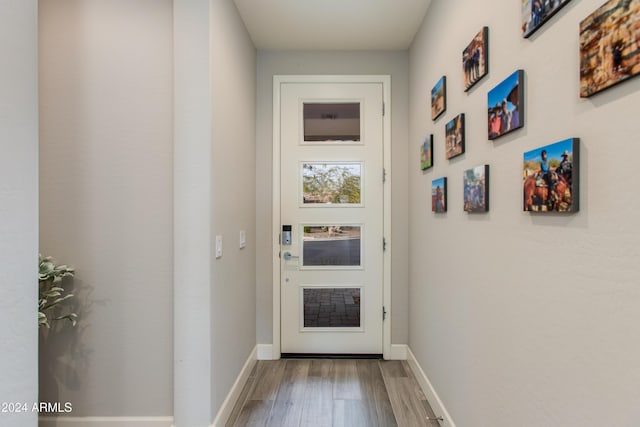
point(331, 177)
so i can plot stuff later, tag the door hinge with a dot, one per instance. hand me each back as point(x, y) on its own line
point(384, 175)
point(384, 313)
point(383, 109)
point(384, 244)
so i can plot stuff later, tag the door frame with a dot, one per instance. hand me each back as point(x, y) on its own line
point(385, 80)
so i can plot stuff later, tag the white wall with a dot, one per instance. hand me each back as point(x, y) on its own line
point(106, 201)
point(272, 63)
point(18, 207)
point(523, 319)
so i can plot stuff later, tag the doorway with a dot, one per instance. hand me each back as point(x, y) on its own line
point(332, 215)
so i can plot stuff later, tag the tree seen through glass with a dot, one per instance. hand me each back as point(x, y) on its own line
point(331, 183)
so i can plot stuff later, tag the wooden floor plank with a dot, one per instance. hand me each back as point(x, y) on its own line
point(321, 368)
point(318, 402)
point(235, 413)
point(254, 413)
point(393, 369)
point(346, 384)
point(270, 373)
point(351, 413)
point(384, 410)
point(287, 409)
point(407, 408)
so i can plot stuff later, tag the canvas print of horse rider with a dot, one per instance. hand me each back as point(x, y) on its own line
point(475, 59)
point(550, 177)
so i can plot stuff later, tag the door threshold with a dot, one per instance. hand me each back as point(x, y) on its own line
point(329, 356)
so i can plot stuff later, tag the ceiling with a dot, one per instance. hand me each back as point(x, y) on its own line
point(332, 24)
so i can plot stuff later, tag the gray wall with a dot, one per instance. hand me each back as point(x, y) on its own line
point(272, 63)
point(192, 213)
point(18, 207)
point(106, 201)
point(523, 319)
point(233, 291)
point(107, 106)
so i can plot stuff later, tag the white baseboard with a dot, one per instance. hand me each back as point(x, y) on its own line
point(398, 352)
point(47, 421)
point(236, 389)
point(265, 351)
point(429, 391)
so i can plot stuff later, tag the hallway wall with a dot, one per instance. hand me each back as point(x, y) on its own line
point(521, 319)
point(18, 207)
point(233, 292)
point(107, 203)
point(106, 172)
point(272, 63)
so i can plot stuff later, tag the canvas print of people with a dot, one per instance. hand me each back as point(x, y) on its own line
point(537, 12)
point(439, 195)
point(454, 137)
point(439, 98)
point(609, 46)
point(476, 189)
point(551, 177)
point(426, 153)
point(475, 59)
point(505, 105)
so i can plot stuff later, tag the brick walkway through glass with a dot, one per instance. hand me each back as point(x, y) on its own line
point(332, 308)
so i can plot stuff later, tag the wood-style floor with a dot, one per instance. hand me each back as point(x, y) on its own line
point(331, 393)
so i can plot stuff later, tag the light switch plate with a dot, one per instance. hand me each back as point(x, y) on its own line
point(243, 239)
point(218, 246)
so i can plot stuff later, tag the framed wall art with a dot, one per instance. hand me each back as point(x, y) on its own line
point(475, 59)
point(454, 137)
point(537, 12)
point(609, 46)
point(476, 189)
point(426, 153)
point(551, 177)
point(439, 195)
point(505, 105)
point(439, 98)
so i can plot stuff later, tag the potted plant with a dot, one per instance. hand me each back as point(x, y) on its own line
point(51, 293)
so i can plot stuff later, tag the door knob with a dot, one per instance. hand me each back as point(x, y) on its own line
point(287, 256)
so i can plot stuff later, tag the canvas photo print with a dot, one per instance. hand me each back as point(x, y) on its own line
point(550, 177)
point(438, 98)
point(505, 105)
point(537, 12)
point(454, 137)
point(426, 153)
point(476, 189)
point(609, 46)
point(439, 195)
point(475, 56)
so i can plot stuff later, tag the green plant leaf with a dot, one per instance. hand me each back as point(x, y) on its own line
point(51, 292)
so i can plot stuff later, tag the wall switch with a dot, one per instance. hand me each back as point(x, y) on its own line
point(243, 239)
point(218, 246)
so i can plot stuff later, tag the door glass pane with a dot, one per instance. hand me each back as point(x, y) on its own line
point(331, 183)
point(331, 245)
point(331, 122)
point(331, 307)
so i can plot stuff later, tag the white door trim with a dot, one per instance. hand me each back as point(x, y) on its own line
point(275, 248)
